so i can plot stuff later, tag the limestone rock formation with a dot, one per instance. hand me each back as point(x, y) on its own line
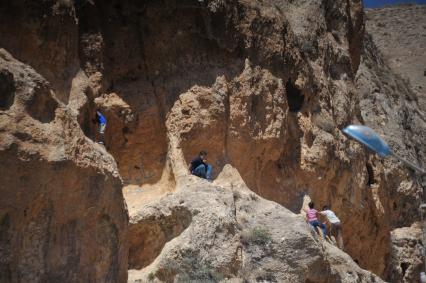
point(389, 106)
point(209, 233)
point(406, 260)
point(62, 212)
point(264, 86)
point(395, 108)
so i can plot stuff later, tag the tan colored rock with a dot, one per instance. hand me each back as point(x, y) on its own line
point(398, 32)
point(388, 105)
point(62, 212)
point(263, 86)
point(54, 54)
point(406, 260)
point(206, 233)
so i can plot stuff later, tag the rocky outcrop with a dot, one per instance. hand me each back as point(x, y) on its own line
point(396, 31)
point(406, 260)
point(230, 234)
point(44, 36)
point(62, 213)
point(402, 122)
point(390, 107)
point(263, 86)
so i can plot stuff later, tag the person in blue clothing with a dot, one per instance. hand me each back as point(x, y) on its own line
point(101, 120)
point(200, 168)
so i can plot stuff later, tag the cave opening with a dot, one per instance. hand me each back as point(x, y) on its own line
point(370, 180)
point(43, 105)
point(7, 90)
point(5, 244)
point(149, 70)
point(295, 98)
point(404, 267)
point(150, 237)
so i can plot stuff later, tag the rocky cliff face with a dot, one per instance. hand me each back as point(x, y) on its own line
point(264, 87)
point(399, 34)
point(62, 213)
point(224, 232)
point(390, 107)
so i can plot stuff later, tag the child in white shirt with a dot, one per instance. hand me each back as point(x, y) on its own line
point(336, 226)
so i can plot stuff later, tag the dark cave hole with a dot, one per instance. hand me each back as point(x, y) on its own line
point(295, 97)
point(404, 267)
point(118, 8)
point(370, 180)
point(7, 90)
point(42, 106)
point(5, 244)
point(255, 104)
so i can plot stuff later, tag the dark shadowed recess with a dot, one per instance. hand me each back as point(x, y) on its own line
point(7, 90)
point(295, 97)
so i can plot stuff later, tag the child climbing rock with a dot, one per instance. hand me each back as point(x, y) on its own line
point(200, 168)
point(101, 120)
point(335, 225)
point(312, 217)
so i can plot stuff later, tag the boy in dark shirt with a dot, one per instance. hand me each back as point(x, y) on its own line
point(200, 168)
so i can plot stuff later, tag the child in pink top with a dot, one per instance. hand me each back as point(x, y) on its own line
point(312, 216)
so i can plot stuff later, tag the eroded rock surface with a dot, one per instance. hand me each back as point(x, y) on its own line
point(406, 260)
point(263, 86)
point(232, 235)
point(394, 107)
point(62, 212)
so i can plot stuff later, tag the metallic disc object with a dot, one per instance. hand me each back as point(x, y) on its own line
point(369, 138)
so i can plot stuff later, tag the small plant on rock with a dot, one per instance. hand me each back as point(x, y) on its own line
point(191, 270)
point(151, 276)
point(257, 235)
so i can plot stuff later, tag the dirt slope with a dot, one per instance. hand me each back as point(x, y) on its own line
point(400, 34)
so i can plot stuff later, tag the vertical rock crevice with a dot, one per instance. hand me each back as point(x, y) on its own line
point(7, 90)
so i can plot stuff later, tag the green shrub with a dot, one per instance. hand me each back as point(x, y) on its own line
point(151, 276)
point(257, 235)
point(191, 270)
